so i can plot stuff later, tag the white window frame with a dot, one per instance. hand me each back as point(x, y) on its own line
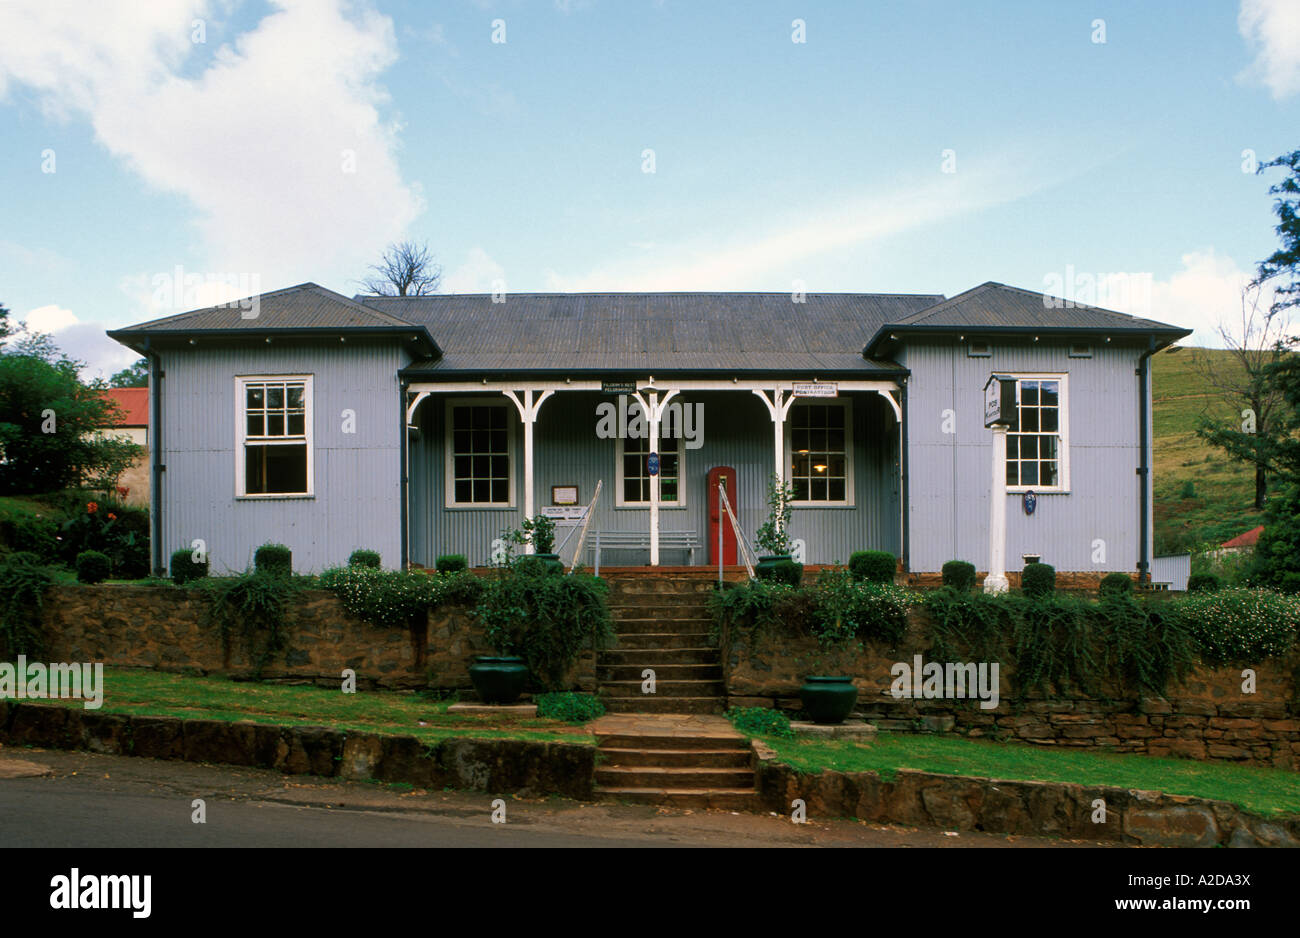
point(619, 450)
point(849, 475)
point(448, 449)
point(241, 435)
point(1062, 431)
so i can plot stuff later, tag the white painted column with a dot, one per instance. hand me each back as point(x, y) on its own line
point(996, 581)
point(653, 408)
point(528, 409)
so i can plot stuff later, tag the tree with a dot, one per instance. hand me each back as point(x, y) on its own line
point(1239, 378)
point(48, 419)
point(406, 269)
point(1284, 264)
point(135, 375)
point(6, 330)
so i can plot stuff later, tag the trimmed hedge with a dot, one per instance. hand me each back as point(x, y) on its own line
point(1038, 579)
point(960, 575)
point(184, 569)
point(275, 559)
point(365, 558)
point(783, 571)
point(451, 563)
point(873, 566)
point(93, 566)
point(1204, 583)
point(1116, 583)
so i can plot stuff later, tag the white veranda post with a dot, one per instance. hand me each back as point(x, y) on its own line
point(996, 581)
point(653, 408)
point(528, 408)
point(779, 407)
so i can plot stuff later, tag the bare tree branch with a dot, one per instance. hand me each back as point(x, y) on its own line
point(405, 269)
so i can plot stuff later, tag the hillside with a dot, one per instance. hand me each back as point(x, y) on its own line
point(1224, 489)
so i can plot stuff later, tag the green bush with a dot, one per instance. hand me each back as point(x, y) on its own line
point(254, 607)
point(273, 559)
point(547, 620)
point(22, 595)
point(782, 571)
point(92, 567)
point(185, 568)
point(26, 557)
point(110, 527)
point(845, 608)
point(874, 566)
point(451, 563)
point(960, 575)
point(761, 721)
point(1038, 579)
point(569, 707)
point(391, 598)
point(365, 558)
point(1277, 553)
point(1239, 625)
point(31, 534)
point(1204, 583)
point(1116, 583)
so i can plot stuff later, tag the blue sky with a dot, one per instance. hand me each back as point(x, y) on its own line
point(297, 138)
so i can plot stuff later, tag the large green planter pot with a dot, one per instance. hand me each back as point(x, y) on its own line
point(780, 568)
point(551, 562)
point(828, 699)
point(499, 680)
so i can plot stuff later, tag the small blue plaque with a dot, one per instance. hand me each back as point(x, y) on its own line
point(652, 464)
point(1031, 502)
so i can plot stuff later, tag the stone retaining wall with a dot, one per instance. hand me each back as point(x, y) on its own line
point(525, 767)
point(163, 628)
point(1206, 717)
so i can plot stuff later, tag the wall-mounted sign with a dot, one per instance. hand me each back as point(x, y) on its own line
point(564, 512)
point(1030, 502)
point(618, 387)
point(816, 389)
point(652, 464)
point(1000, 401)
point(564, 495)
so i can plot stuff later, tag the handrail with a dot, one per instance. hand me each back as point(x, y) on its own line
point(586, 520)
point(742, 544)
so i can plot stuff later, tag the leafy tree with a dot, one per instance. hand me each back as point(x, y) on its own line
point(405, 269)
point(1284, 264)
point(48, 419)
point(135, 375)
point(6, 330)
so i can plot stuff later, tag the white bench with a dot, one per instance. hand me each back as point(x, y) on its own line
point(640, 540)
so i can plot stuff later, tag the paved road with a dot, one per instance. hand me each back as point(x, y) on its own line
point(88, 800)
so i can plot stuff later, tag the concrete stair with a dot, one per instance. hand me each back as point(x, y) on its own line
point(662, 623)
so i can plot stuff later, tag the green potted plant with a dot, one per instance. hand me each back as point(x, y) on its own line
point(829, 696)
point(540, 532)
point(773, 537)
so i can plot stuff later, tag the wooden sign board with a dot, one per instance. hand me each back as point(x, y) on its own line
point(816, 389)
point(1000, 401)
point(564, 512)
point(618, 387)
point(564, 495)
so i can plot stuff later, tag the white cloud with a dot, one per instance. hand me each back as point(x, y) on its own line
point(83, 341)
point(256, 136)
point(474, 275)
point(1273, 28)
point(49, 319)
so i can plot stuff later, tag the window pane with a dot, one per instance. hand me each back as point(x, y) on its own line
point(256, 397)
point(460, 441)
point(275, 396)
point(835, 441)
point(1013, 473)
point(297, 425)
point(1013, 445)
point(500, 490)
point(482, 466)
point(460, 418)
point(799, 440)
point(463, 490)
point(256, 425)
point(668, 490)
point(800, 488)
point(295, 396)
point(461, 467)
point(1049, 473)
point(499, 415)
point(499, 441)
point(1029, 473)
point(1051, 393)
point(500, 467)
point(1028, 447)
point(1028, 393)
point(275, 469)
point(836, 489)
point(482, 490)
point(480, 417)
point(1029, 419)
point(1047, 447)
point(482, 442)
point(836, 466)
point(275, 424)
point(818, 489)
point(1047, 422)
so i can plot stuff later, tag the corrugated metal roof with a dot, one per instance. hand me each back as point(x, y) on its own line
point(651, 332)
point(307, 305)
point(998, 305)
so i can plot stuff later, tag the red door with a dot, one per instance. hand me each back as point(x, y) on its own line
point(718, 520)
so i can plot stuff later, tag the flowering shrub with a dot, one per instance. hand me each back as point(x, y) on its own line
point(1240, 624)
point(118, 531)
point(389, 598)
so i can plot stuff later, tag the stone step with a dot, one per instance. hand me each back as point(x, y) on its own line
point(632, 626)
point(635, 600)
point(646, 703)
point(643, 776)
point(619, 757)
point(655, 586)
point(664, 640)
point(676, 671)
point(739, 799)
point(654, 657)
point(667, 739)
point(663, 689)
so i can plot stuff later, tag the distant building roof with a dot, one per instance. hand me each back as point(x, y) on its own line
point(132, 405)
point(1249, 539)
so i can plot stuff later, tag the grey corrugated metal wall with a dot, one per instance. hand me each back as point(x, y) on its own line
point(950, 474)
point(1174, 569)
point(737, 433)
point(356, 475)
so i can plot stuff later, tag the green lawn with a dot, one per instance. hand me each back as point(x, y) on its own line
point(154, 693)
point(1266, 791)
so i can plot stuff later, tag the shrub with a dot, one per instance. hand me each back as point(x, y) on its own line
point(1115, 583)
point(1038, 579)
point(847, 609)
point(92, 567)
point(569, 707)
point(1189, 489)
point(185, 568)
point(1277, 553)
point(773, 535)
point(451, 563)
point(31, 534)
point(384, 598)
point(273, 559)
point(254, 607)
point(960, 575)
point(103, 524)
point(365, 558)
point(1239, 625)
point(874, 566)
point(782, 571)
point(540, 532)
point(22, 594)
point(547, 620)
point(1203, 583)
point(761, 721)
